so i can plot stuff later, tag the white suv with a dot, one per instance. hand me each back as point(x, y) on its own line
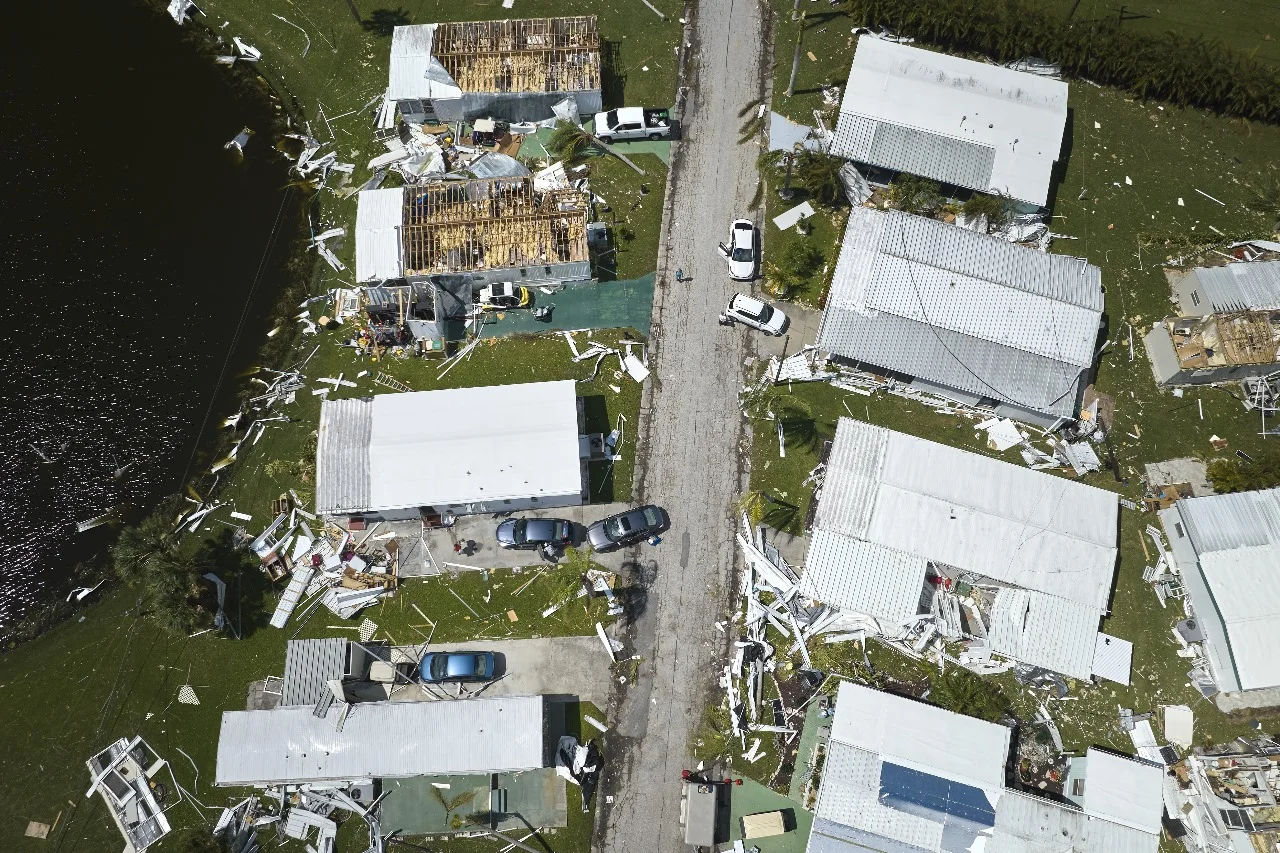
point(756, 314)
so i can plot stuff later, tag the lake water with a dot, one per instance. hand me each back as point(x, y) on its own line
point(131, 244)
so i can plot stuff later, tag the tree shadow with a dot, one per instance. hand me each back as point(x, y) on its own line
point(247, 587)
point(382, 22)
point(612, 80)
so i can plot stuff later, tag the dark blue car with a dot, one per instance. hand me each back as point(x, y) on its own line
point(438, 667)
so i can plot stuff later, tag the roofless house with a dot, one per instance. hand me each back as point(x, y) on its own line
point(516, 70)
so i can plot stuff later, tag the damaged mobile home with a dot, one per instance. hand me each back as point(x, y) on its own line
point(123, 773)
point(903, 775)
point(1228, 322)
point(451, 452)
point(489, 230)
point(916, 542)
point(965, 316)
point(516, 70)
point(1225, 551)
point(956, 121)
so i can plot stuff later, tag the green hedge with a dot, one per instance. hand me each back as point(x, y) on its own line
point(1183, 70)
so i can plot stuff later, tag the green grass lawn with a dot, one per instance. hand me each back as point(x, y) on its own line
point(114, 675)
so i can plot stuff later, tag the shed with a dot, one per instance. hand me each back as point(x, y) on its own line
point(1228, 550)
point(381, 740)
point(977, 318)
point(460, 451)
point(960, 122)
point(903, 775)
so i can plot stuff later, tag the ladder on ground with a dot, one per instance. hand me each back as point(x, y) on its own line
point(292, 595)
point(387, 382)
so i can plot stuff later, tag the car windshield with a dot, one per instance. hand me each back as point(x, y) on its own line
point(439, 666)
point(616, 528)
point(742, 253)
point(766, 311)
point(611, 118)
point(519, 532)
point(478, 667)
point(651, 517)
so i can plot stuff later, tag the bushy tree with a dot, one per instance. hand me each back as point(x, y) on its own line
point(994, 208)
point(794, 266)
point(1239, 475)
point(913, 194)
point(963, 692)
point(148, 557)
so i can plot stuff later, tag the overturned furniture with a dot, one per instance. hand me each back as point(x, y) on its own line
point(124, 774)
point(516, 70)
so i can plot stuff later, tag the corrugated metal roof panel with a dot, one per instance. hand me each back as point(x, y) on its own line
point(1007, 522)
point(1253, 286)
point(414, 72)
point(1113, 658)
point(308, 664)
point(1027, 824)
point(342, 456)
point(1239, 520)
point(861, 577)
point(968, 364)
point(1044, 630)
point(378, 217)
point(381, 740)
point(848, 796)
point(947, 107)
point(853, 474)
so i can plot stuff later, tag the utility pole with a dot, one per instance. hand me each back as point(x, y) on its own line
point(795, 59)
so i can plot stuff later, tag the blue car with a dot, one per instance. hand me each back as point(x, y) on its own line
point(439, 667)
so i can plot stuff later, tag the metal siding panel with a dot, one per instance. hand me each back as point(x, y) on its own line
point(1239, 520)
point(853, 136)
point(342, 456)
point(1252, 286)
point(381, 740)
point(862, 577)
point(308, 664)
point(378, 218)
point(1113, 658)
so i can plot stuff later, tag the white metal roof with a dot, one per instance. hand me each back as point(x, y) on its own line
point(1124, 790)
point(415, 72)
point(1236, 538)
point(1012, 524)
point(1029, 824)
point(1044, 630)
point(961, 122)
point(451, 447)
point(381, 740)
point(962, 309)
point(378, 219)
point(863, 577)
point(921, 737)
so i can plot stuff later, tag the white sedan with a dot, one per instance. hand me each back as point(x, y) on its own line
point(756, 314)
point(741, 250)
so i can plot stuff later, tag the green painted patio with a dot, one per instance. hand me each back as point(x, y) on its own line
point(417, 807)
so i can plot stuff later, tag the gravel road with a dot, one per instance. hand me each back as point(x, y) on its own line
point(690, 434)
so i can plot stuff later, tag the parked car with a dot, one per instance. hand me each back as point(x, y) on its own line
point(756, 314)
point(632, 123)
point(439, 667)
point(504, 294)
point(529, 533)
point(627, 528)
point(740, 252)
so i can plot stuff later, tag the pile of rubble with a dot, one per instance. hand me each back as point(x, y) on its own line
point(300, 812)
point(335, 567)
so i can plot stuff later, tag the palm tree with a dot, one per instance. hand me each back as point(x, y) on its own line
point(818, 174)
point(571, 143)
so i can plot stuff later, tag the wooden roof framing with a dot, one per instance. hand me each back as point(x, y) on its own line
point(468, 226)
point(529, 55)
point(1247, 337)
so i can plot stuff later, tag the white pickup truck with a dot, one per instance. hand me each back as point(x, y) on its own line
point(632, 123)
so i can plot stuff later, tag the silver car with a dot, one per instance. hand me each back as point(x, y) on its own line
point(741, 250)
